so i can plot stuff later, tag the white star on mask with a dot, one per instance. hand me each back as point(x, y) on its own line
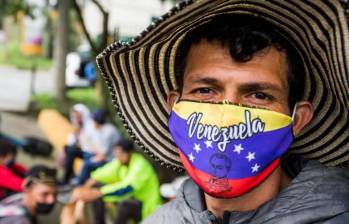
point(238, 148)
point(191, 157)
point(255, 168)
point(250, 156)
point(208, 144)
point(197, 148)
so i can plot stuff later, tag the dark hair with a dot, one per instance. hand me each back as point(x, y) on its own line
point(99, 116)
point(41, 174)
point(7, 148)
point(125, 145)
point(244, 36)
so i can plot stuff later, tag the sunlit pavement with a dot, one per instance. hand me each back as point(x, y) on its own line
point(17, 86)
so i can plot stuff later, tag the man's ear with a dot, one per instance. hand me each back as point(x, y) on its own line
point(26, 184)
point(303, 115)
point(172, 98)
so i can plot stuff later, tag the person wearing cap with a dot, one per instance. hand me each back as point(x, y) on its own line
point(104, 136)
point(128, 180)
point(38, 197)
point(11, 172)
point(251, 98)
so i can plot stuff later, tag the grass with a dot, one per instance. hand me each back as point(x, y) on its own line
point(10, 54)
point(86, 96)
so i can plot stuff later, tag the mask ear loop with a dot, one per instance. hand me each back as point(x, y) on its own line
point(175, 101)
point(294, 113)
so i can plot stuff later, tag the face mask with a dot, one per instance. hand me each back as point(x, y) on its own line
point(44, 208)
point(227, 149)
point(10, 163)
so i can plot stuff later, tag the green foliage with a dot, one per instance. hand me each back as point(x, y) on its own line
point(12, 7)
point(86, 96)
point(11, 55)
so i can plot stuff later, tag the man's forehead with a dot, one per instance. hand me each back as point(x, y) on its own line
point(208, 63)
point(43, 187)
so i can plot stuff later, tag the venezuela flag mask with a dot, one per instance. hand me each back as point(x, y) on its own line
point(229, 149)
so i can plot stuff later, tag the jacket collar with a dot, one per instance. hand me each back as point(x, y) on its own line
point(309, 190)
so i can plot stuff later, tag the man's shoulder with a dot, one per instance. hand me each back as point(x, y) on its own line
point(15, 199)
point(316, 193)
point(19, 219)
point(171, 212)
point(12, 210)
point(339, 219)
point(110, 128)
point(325, 176)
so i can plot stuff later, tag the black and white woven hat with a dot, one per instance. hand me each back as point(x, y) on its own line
point(141, 73)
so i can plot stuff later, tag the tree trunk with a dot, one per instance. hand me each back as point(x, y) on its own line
point(61, 49)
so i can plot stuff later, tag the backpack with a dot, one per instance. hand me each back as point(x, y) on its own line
point(37, 147)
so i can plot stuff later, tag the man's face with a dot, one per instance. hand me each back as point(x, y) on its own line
point(122, 156)
point(76, 118)
point(212, 75)
point(4, 160)
point(42, 193)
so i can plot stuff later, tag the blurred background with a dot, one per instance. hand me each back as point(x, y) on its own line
point(48, 48)
point(47, 65)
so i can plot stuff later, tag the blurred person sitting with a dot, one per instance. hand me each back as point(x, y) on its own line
point(104, 137)
point(129, 180)
point(79, 143)
point(38, 197)
point(11, 173)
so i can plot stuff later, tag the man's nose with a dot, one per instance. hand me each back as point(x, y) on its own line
point(51, 199)
point(231, 96)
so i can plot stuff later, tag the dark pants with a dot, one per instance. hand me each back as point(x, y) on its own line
point(88, 166)
point(129, 209)
point(71, 153)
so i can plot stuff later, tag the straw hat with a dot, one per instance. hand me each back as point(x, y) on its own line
point(140, 74)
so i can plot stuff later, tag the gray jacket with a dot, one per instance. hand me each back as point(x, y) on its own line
point(318, 194)
point(12, 211)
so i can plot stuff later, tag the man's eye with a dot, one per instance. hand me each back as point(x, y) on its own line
point(202, 90)
point(262, 96)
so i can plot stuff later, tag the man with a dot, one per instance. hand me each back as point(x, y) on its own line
point(129, 179)
point(103, 138)
point(79, 142)
point(38, 197)
point(11, 173)
point(242, 81)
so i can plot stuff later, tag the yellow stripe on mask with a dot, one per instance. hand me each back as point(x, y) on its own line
point(224, 115)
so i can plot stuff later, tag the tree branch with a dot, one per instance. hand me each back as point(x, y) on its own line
point(104, 37)
point(100, 7)
point(81, 20)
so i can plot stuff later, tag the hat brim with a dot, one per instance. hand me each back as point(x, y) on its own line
point(141, 73)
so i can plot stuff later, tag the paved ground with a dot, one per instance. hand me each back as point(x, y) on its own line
point(16, 87)
point(20, 125)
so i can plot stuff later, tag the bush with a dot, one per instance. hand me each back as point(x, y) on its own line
point(85, 96)
point(11, 55)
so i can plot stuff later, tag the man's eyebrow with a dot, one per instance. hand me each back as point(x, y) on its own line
point(248, 87)
point(205, 80)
